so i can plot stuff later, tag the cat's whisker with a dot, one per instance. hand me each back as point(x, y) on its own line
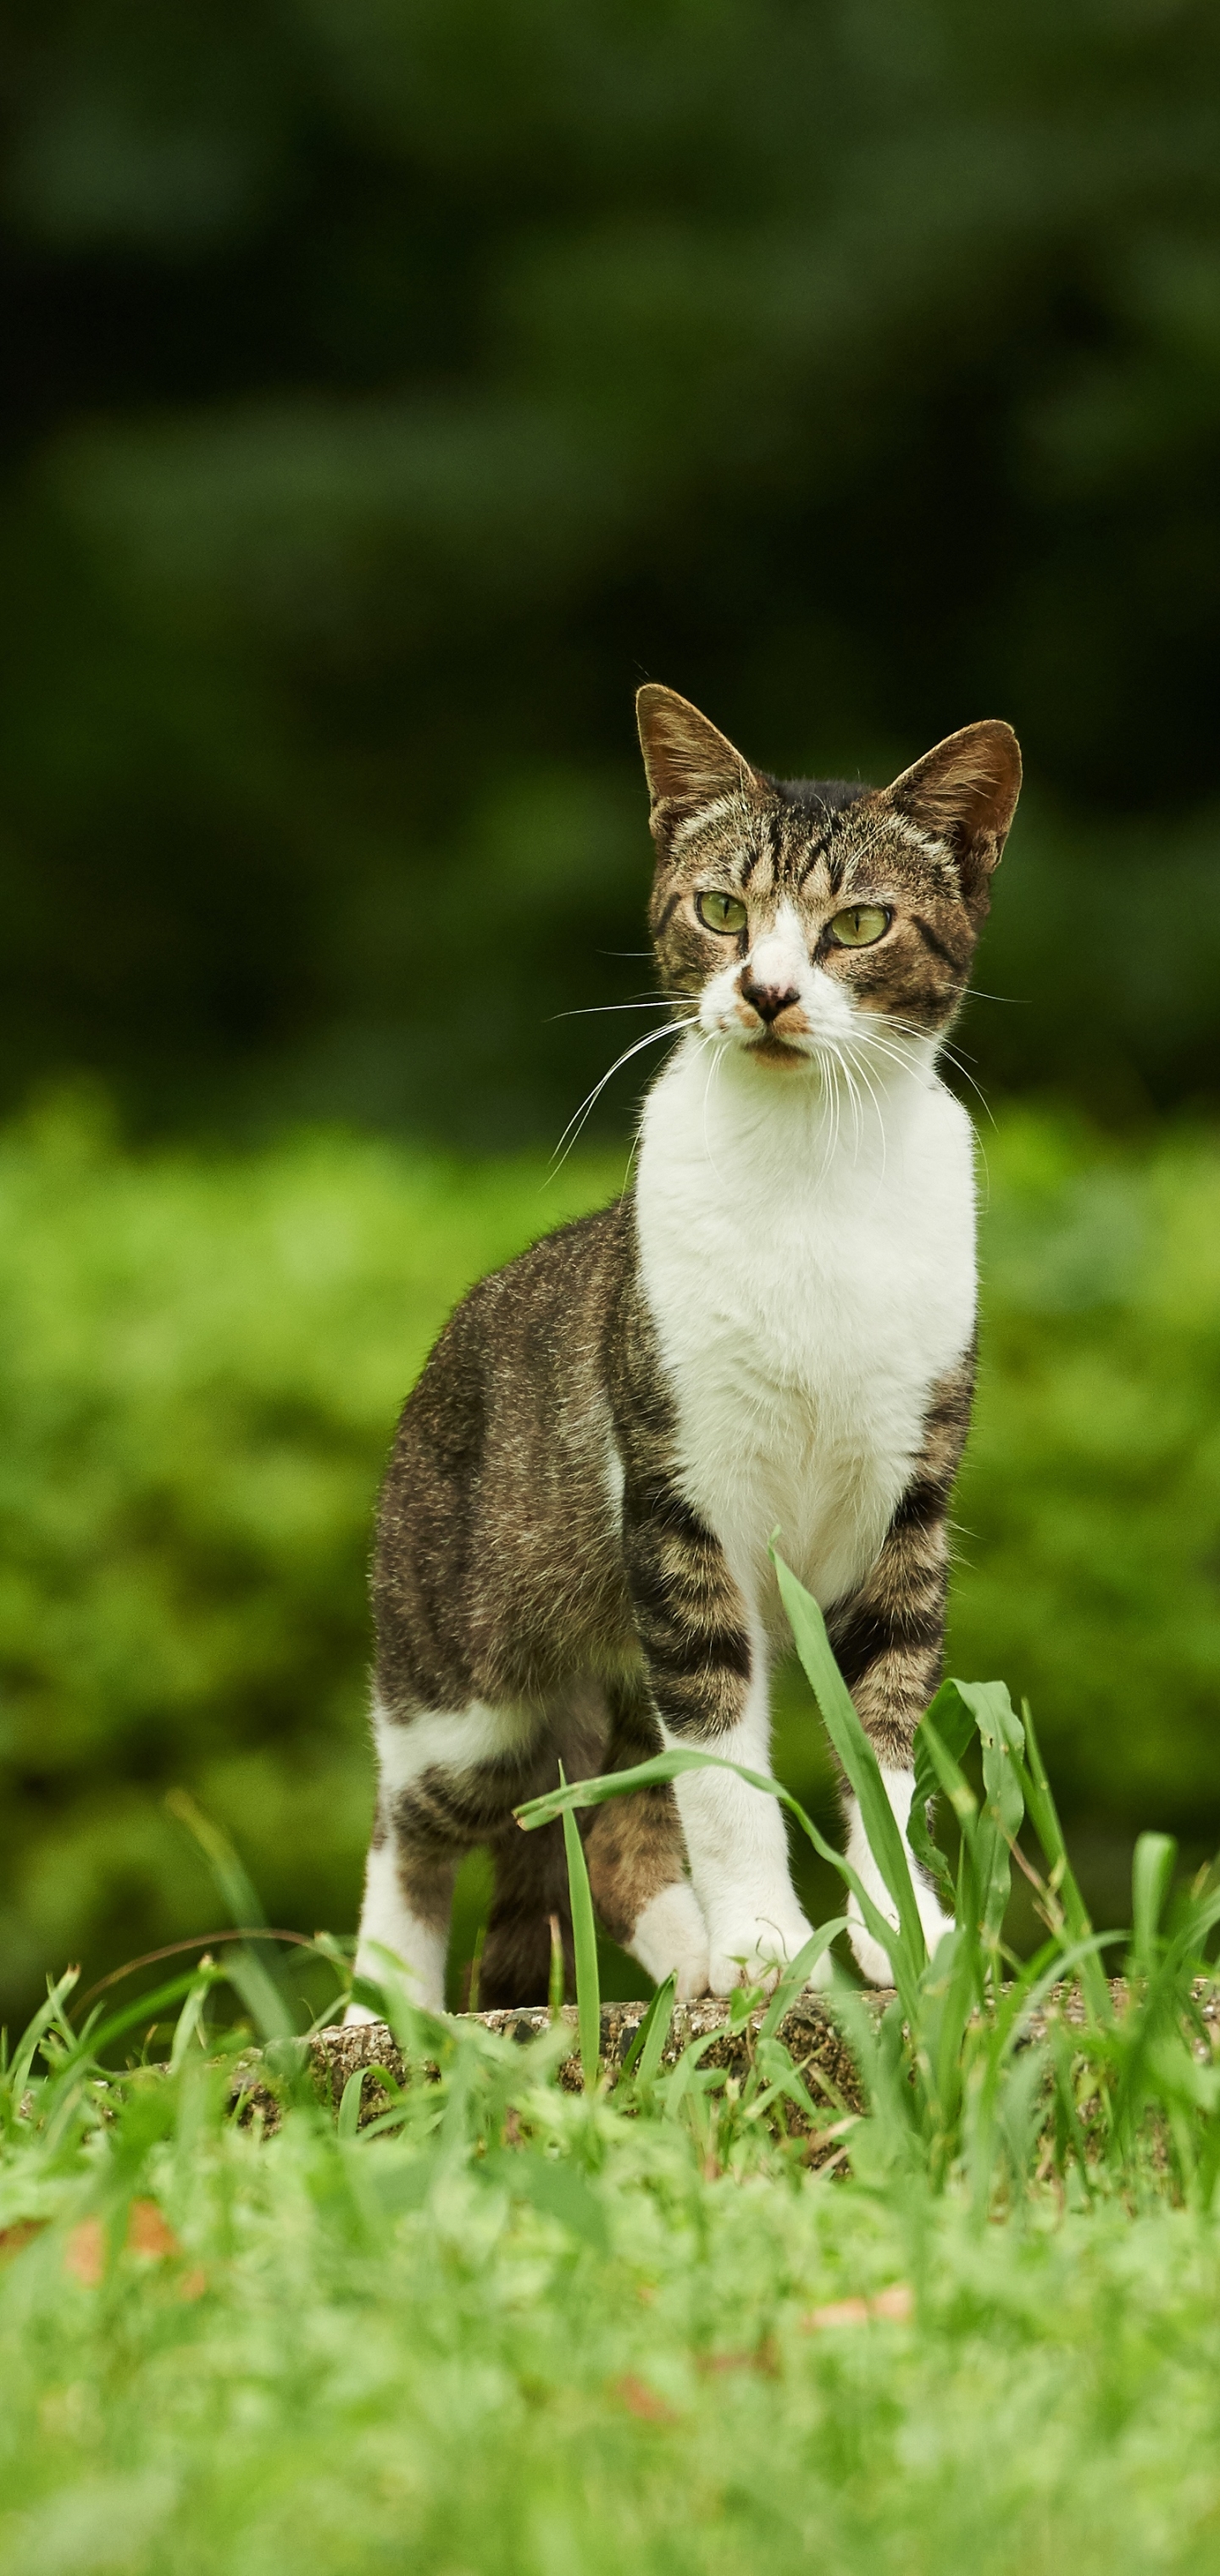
point(967, 1076)
point(862, 1070)
point(832, 1096)
point(857, 1104)
point(893, 1056)
point(953, 1055)
point(717, 1052)
point(672, 1028)
point(594, 1010)
point(897, 1058)
point(870, 1020)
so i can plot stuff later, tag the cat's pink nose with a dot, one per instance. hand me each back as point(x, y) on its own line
point(767, 999)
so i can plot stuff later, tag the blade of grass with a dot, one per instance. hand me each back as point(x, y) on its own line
point(45, 2019)
point(258, 1986)
point(191, 2016)
point(1152, 1867)
point(148, 2008)
point(1003, 1745)
point(796, 1977)
point(856, 1754)
point(950, 1721)
point(1044, 1816)
point(648, 2047)
point(349, 2107)
point(584, 1943)
point(557, 1976)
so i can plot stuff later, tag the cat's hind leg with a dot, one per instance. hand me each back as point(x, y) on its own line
point(447, 1780)
point(634, 1850)
point(408, 1896)
point(530, 1893)
point(889, 1640)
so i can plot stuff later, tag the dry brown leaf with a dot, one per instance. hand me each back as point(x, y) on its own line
point(85, 2253)
point(643, 2401)
point(147, 2232)
point(897, 2303)
point(22, 2232)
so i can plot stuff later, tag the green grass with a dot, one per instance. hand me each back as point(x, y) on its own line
point(201, 1358)
point(517, 2330)
point(594, 2352)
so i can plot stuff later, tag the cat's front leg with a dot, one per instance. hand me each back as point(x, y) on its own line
point(889, 1640)
point(706, 1671)
point(738, 1848)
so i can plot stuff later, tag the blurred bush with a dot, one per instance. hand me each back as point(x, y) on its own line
point(392, 383)
point(201, 1360)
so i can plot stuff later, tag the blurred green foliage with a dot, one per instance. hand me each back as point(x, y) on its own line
point(201, 1359)
point(393, 383)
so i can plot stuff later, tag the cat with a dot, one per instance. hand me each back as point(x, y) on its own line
point(774, 1327)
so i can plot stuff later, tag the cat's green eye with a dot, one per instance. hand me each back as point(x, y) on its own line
point(724, 912)
point(859, 925)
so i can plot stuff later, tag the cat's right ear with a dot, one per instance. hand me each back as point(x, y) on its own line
point(688, 763)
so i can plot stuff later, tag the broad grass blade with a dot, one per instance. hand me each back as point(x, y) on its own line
point(1044, 1816)
point(47, 2016)
point(856, 1755)
point(349, 2107)
point(648, 2047)
point(259, 1989)
point(948, 1720)
point(796, 1977)
point(1003, 1744)
point(1152, 1867)
point(557, 1979)
point(584, 1943)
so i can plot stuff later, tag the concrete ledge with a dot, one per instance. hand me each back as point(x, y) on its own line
point(808, 2030)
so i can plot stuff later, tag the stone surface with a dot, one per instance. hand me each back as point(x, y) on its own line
point(808, 2031)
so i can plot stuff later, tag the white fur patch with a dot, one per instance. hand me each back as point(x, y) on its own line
point(738, 1853)
point(452, 1740)
point(670, 1939)
point(387, 1923)
point(810, 1271)
point(810, 1278)
point(871, 1958)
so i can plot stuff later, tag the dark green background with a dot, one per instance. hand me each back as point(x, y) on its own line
point(394, 383)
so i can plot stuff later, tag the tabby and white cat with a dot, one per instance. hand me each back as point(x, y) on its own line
point(774, 1326)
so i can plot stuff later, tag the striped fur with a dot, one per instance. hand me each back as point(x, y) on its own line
point(774, 1326)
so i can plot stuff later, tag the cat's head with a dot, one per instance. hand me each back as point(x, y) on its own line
point(805, 917)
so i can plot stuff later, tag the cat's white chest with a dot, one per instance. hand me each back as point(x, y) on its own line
point(807, 1294)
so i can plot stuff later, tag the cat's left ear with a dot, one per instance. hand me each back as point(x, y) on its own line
point(965, 793)
point(687, 762)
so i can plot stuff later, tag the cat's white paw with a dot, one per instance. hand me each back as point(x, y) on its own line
point(871, 1958)
point(357, 2013)
point(670, 1940)
point(754, 1949)
point(874, 1962)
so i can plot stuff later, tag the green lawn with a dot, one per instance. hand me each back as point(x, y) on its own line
point(602, 2346)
